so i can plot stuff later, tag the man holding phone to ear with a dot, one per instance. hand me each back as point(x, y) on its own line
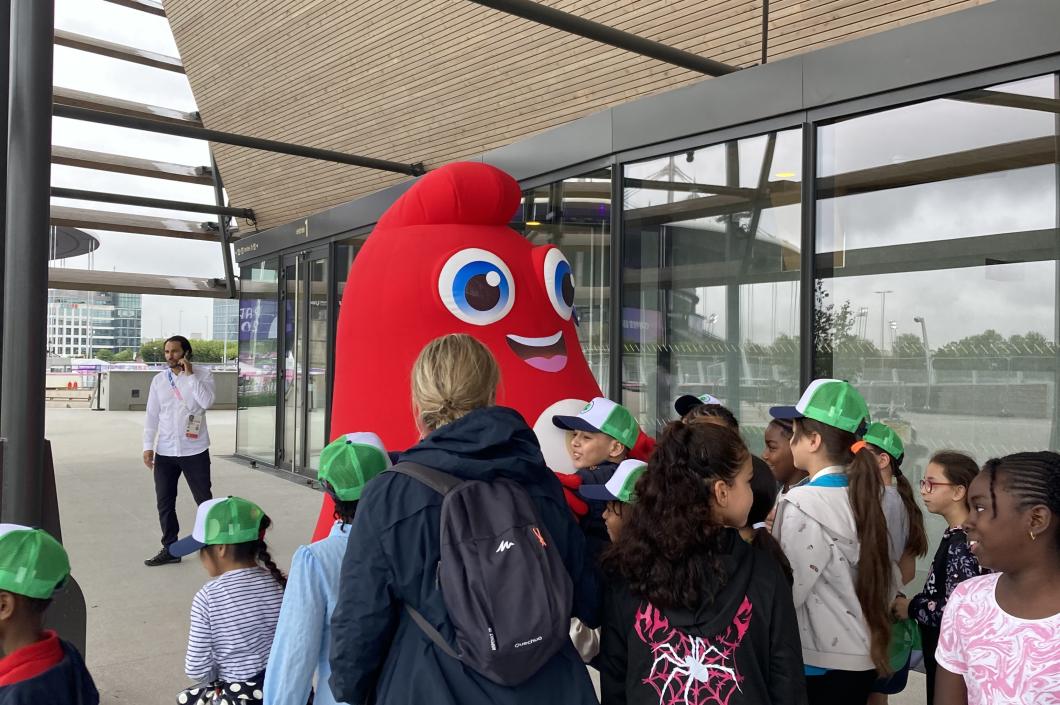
point(176, 415)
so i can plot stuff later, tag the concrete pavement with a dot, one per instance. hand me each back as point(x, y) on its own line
point(138, 616)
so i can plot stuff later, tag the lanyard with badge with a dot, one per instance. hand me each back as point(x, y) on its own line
point(194, 423)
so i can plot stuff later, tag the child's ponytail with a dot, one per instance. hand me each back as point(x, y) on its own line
point(263, 557)
point(874, 583)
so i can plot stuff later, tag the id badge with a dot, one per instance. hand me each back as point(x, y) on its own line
point(194, 425)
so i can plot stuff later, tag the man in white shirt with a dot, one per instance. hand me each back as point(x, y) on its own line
point(176, 415)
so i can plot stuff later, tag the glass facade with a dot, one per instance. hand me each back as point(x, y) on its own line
point(937, 255)
point(575, 215)
point(259, 323)
point(926, 238)
point(710, 278)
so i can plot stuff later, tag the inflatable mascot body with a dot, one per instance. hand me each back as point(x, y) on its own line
point(443, 260)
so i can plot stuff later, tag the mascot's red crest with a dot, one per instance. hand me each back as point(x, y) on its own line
point(443, 260)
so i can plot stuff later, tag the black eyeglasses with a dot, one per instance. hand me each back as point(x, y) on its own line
point(928, 486)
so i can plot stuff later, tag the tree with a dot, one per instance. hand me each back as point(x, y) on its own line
point(151, 351)
point(204, 350)
point(105, 355)
point(124, 356)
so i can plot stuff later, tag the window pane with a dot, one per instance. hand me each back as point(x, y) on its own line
point(256, 415)
point(575, 216)
point(937, 246)
point(711, 279)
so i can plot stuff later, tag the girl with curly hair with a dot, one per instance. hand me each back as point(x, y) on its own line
point(692, 613)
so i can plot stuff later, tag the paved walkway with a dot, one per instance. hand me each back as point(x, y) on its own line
point(138, 616)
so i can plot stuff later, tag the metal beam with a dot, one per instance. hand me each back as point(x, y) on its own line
point(120, 164)
point(102, 197)
point(74, 279)
point(26, 266)
point(536, 12)
point(134, 224)
point(83, 42)
point(67, 98)
point(1009, 100)
point(151, 7)
point(226, 242)
point(201, 133)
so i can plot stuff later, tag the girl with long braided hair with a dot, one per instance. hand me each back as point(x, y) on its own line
point(233, 616)
point(1000, 635)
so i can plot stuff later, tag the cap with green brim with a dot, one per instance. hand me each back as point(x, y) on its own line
point(602, 415)
point(884, 437)
point(32, 563)
point(621, 485)
point(349, 462)
point(687, 402)
point(833, 402)
point(221, 521)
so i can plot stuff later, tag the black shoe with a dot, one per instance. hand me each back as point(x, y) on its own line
point(161, 558)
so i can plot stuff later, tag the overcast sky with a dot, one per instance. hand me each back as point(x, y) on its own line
point(121, 79)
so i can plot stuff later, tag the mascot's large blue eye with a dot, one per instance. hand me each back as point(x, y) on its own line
point(477, 287)
point(559, 282)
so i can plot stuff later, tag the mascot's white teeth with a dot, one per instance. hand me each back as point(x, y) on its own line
point(536, 342)
point(548, 354)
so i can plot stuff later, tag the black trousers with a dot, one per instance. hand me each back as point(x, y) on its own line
point(929, 637)
point(168, 468)
point(840, 687)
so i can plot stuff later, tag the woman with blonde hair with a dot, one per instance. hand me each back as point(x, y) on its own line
point(391, 568)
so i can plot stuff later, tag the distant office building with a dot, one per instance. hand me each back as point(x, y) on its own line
point(83, 323)
point(225, 319)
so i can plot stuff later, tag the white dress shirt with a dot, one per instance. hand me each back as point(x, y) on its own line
point(167, 416)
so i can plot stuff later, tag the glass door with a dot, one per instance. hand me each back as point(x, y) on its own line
point(304, 291)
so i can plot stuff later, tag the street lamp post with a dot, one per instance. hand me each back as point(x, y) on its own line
point(883, 316)
point(927, 360)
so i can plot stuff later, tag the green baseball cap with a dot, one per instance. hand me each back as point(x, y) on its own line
point(884, 437)
point(833, 402)
point(621, 485)
point(221, 521)
point(350, 461)
point(602, 415)
point(32, 563)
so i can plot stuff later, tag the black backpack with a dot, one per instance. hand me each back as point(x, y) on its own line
point(505, 587)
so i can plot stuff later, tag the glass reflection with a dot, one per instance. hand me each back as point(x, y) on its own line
point(258, 336)
point(710, 278)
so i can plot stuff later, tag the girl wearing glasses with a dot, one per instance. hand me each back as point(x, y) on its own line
point(944, 491)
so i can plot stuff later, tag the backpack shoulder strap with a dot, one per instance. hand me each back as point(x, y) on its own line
point(440, 482)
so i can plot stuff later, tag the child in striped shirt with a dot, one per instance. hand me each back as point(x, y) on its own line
point(233, 617)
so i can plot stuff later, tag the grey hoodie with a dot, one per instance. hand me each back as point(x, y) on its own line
point(815, 527)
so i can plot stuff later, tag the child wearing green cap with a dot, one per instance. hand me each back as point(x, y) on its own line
point(834, 533)
point(233, 616)
point(604, 432)
point(36, 666)
point(905, 522)
point(302, 646)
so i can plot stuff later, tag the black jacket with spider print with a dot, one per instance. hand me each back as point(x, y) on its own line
point(742, 648)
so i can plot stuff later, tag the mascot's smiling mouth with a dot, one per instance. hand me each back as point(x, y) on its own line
point(548, 354)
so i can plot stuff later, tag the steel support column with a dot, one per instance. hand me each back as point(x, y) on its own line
point(26, 265)
point(542, 14)
point(5, 68)
point(808, 258)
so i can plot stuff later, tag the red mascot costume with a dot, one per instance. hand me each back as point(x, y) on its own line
point(443, 260)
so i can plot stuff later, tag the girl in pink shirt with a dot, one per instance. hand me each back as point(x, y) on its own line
point(1000, 641)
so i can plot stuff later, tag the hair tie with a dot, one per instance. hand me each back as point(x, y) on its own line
point(759, 525)
point(858, 447)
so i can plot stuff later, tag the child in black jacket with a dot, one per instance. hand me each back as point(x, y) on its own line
point(692, 613)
